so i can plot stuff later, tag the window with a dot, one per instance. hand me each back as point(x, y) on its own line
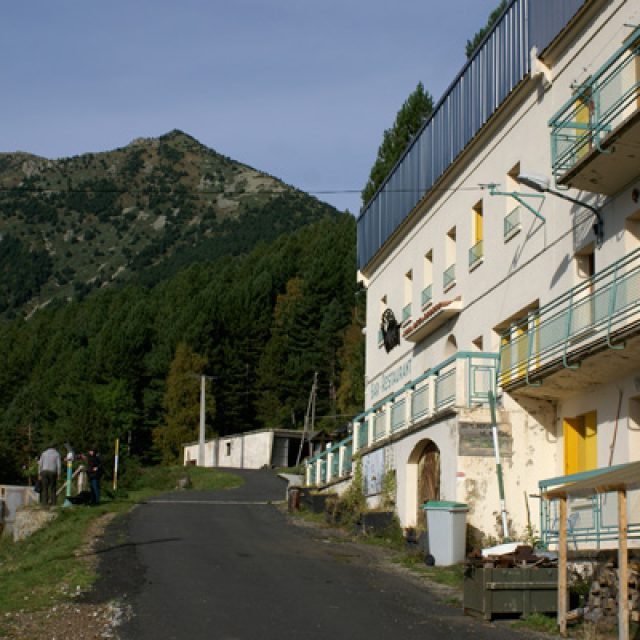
point(476, 252)
point(519, 345)
point(228, 445)
point(580, 443)
point(512, 219)
point(427, 289)
point(449, 275)
point(382, 308)
point(408, 294)
point(583, 312)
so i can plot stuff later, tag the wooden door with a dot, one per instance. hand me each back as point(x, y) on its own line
point(428, 477)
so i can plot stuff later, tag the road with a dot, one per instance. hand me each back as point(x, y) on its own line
point(229, 566)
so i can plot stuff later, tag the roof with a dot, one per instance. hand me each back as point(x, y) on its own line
point(623, 477)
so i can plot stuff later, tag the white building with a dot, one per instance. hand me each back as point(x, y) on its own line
point(250, 450)
point(498, 287)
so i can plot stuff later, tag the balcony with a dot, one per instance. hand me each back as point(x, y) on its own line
point(433, 318)
point(592, 522)
point(512, 224)
point(331, 465)
point(425, 298)
point(476, 255)
point(449, 277)
point(406, 313)
point(576, 341)
point(463, 380)
point(595, 135)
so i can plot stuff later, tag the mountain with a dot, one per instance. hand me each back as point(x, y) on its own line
point(138, 214)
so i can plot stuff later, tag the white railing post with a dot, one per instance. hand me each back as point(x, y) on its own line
point(462, 392)
point(387, 420)
point(330, 455)
point(370, 426)
point(431, 394)
point(341, 454)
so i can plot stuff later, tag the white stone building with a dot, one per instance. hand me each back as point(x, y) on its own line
point(250, 450)
point(506, 244)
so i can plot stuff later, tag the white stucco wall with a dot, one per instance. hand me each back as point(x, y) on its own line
point(531, 268)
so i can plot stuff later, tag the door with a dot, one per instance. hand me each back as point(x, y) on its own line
point(580, 443)
point(428, 477)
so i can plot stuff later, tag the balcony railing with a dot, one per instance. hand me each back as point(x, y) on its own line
point(512, 223)
point(398, 414)
point(379, 425)
point(593, 313)
point(598, 108)
point(406, 313)
point(426, 296)
point(462, 381)
point(476, 254)
point(332, 464)
point(449, 277)
point(590, 521)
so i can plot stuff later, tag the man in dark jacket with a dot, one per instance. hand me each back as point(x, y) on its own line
point(94, 471)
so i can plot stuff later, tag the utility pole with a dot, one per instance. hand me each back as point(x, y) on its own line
point(203, 380)
point(311, 412)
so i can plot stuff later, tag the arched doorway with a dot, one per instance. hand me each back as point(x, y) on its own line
point(426, 461)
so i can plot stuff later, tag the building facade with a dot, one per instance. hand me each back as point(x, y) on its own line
point(501, 260)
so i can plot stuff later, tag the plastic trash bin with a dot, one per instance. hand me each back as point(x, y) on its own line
point(447, 530)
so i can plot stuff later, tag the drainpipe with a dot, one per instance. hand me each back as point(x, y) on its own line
point(496, 450)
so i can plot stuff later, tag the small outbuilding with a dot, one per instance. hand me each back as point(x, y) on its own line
point(250, 450)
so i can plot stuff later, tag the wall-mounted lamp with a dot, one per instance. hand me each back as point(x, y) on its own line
point(541, 184)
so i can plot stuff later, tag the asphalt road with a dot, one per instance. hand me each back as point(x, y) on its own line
point(228, 566)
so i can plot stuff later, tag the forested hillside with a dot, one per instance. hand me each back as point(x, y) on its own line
point(125, 361)
point(125, 275)
point(135, 214)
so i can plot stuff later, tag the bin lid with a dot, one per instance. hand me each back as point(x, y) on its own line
point(446, 505)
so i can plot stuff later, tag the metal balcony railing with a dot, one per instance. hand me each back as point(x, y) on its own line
point(426, 296)
point(590, 521)
point(398, 414)
point(465, 379)
point(476, 254)
point(449, 276)
point(597, 108)
point(379, 424)
point(593, 312)
point(334, 463)
point(511, 222)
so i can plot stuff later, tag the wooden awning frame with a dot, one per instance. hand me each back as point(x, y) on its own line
point(619, 480)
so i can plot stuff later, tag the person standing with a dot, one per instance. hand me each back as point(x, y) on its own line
point(94, 471)
point(49, 468)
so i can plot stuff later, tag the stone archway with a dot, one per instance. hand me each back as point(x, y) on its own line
point(425, 460)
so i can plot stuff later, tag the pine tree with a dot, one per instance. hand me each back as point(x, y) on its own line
point(412, 115)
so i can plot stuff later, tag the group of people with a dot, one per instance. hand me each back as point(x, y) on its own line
point(50, 470)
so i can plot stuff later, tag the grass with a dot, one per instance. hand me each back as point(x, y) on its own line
point(537, 622)
point(44, 569)
point(451, 576)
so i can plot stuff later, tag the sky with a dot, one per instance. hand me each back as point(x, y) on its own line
point(298, 89)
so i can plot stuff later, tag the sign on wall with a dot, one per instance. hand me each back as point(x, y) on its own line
point(476, 439)
point(387, 381)
point(373, 472)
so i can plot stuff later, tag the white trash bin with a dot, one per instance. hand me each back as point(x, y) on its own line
point(447, 531)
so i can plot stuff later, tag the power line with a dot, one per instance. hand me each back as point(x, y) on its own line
point(151, 191)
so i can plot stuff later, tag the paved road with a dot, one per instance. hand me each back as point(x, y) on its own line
point(228, 566)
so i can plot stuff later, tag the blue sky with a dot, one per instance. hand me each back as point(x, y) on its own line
point(302, 90)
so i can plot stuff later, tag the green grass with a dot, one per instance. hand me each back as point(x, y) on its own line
point(44, 569)
point(538, 622)
point(451, 576)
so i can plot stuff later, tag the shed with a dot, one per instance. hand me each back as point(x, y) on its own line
point(618, 480)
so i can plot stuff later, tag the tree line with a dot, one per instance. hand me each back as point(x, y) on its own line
point(125, 362)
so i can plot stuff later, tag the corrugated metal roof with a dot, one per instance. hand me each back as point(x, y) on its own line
point(499, 64)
